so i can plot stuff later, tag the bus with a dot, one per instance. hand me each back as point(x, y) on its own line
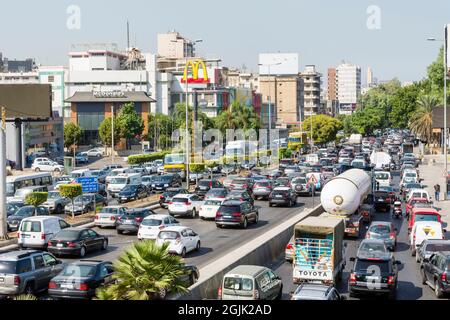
point(175, 163)
point(297, 140)
point(33, 179)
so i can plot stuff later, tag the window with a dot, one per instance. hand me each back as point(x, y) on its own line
point(238, 283)
point(49, 260)
point(24, 266)
point(63, 224)
point(263, 280)
point(184, 233)
point(84, 234)
point(31, 226)
point(38, 262)
point(103, 271)
point(92, 233)
point(166, 221)
point(51, 78)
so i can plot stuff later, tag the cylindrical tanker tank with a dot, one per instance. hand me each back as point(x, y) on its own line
point(343, 194)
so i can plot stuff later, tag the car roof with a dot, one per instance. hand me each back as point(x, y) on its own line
point(281, 189)
point(246, 270)
point(375, 255)
point(176, 228)
point(312, 290)
point(89, 262)
point(184, 195)
point(157, 216)
point(17, 254)
point(232, 203)
point(384, 223)
point(41, 218)
point(425, 210)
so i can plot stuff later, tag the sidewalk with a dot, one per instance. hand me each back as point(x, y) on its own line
point(432, 173)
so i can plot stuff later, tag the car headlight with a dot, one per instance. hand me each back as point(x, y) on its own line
point(166, 185)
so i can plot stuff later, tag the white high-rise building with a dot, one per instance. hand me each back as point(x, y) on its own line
point(369, 77)
point(348, 87)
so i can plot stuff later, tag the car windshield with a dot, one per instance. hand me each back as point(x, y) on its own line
point(204, 183)
point(79, 271)
point(229, 209)
point(95, 173)
point(299, 180)
point(147, 179)
point(434, 247)
point(25, 211)
point(213, 203)
point(217, 192)
point(151, 222)
point(129, 188)
point(164, 179)
point(410, 175)
point(119, 180)
point(30, 226)
point(238, 283)
point(14, 206)
point(53, 195)
point(380, 229)
point(168, 235)
point(263, 184)
point(180, 200)
point(372, 247)
point(109, 210)
point(412, 186)
point(426, 217)
point(83, 198)
point(75, 175)
point(372, 266)
point(67, 235)
point(8, 267)
point(388, 189)
point(61, 179)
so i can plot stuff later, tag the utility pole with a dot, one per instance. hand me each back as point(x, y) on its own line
point(112, 134)
point(3, 227)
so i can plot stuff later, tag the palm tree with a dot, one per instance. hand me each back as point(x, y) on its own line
point(145, 271)
point(226, 120)
point(421, 122)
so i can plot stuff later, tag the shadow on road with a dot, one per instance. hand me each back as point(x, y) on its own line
point(408, 291)
point(201, 252)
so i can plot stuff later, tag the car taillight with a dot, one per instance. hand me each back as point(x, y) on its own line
point(218, 214)
point(219, 293)
point(49, 243)
point(97, 217)
point(42, 236)
point(52, 285)
point(236, 214)
point(352, 279)
point(392, 235)
point(444, 277)
point(16, 280)
point(139, 219)
point(255, 294)
point(83, 287)
point(170, 203)
point(71, 244)
point(161, 227)
point(112, 218)
point(161, 197)
point(18, 234)
point(245, 186)
point(390, 280)
point(289, 246)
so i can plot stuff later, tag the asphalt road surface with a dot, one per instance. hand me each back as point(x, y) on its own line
point(410, 286)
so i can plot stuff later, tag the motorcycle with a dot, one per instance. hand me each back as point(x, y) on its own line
point(392, 166)
point(397, 213)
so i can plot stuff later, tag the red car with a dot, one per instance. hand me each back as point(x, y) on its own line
point(410, 204)
point(423, 214)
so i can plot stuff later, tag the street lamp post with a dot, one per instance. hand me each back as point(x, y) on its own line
point(445, 98)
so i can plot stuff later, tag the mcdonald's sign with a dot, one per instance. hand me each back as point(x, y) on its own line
point(194, 76)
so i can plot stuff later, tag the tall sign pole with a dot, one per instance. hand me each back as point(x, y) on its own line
point(3, 227)
point(112, 134)
point(445, 104)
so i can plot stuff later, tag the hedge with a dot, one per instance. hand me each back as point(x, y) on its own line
point(36, 198)
point(70, 190)
point(143, 158)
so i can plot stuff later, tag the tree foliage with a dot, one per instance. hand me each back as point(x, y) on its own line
point(71, 191)
point(72, 134)
point(143, 272)
point(238, 116)
point(324, 128)
point(104, 132)
point(422, 120)
point(36, 199)
point(130, 123)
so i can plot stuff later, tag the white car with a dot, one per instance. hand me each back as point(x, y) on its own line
point(108, 216)
point(40, 160)
point(185, 205)
point(418, 193)
point(160, 169)
point(153, 224)
point(151, 168)
point(181, 240)
point(210, 207)
point(96, 152)
point(47, 166)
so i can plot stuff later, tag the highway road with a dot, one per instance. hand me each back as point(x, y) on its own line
point(410, 286)
point(215, 242)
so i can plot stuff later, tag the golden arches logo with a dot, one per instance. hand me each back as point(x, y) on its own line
point(195, 65)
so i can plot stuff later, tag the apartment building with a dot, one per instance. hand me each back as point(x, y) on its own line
point(312, 84)
point(348, 87)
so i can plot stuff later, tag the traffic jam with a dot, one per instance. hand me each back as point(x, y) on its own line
point(378, 233)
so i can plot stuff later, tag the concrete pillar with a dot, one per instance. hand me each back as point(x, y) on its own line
point(18, 142)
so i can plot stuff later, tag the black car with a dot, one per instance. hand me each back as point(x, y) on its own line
point(236, 213)
point(241, 195)
point(131, 221)
point(284, 196)
point(77, 242)
point(383, 198)
point(13, 206)
point(436, 272)
point(13, 221)
point(205, 185)
point(216, 193)
point(243, 183)
point(167, 196)
point(374, 273)
point(132, 192)
point(79, 280)
point(162, 182)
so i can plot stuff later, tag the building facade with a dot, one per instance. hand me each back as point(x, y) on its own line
point(172, 45)
point(348, 87)
point(312, 85)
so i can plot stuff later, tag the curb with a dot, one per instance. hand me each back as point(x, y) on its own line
point(7, 243)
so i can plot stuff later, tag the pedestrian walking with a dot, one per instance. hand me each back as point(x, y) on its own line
point(437, 191)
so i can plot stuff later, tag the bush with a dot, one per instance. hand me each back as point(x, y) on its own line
point(71, 190)
point(285, 153)
point(36, 198)
point(196, 167)
point(143, 158)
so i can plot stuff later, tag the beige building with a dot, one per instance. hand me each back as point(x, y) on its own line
point(312, 82)
point(286, 97)
point(173, 46)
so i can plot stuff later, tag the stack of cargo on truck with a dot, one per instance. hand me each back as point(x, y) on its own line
point(319, 250)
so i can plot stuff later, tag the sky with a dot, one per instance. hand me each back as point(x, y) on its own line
point(323, 33)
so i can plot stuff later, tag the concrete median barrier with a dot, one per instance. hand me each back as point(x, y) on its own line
point(260, 251)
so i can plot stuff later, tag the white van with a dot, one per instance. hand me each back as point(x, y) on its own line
point(418, 193)
point(424, 230)
point(383, 178)
point(81, 173)
point(35, 232)
point(312, 158)
point(117, 183)
point(115, 173)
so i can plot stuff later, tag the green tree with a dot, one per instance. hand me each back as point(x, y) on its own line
point(238, 116)
point(366, 120)
point(145, 271)
point(72, 134)
point(160, 130)
point(71, 191)
point(324, 128)
point(403, 104)
point(35, 199)
point(130, 123)
point(422, 120)
point(104, 132)
point(435, 72)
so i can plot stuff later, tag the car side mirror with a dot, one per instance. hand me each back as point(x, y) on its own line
point(352, 259)
point(444, 230)
point(58, 261)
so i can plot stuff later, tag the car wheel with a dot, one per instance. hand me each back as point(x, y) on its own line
point(280, 293)
point(194, 213)
point(119, 231)
point(270, 205)
point(197, 247)
point(37, 169)
point(257, 218)
point(245, 224)
point(437, 290)
point(29, 289)
point(104, 245)
point(183, 253)
point(82, 251)
point(424, 278)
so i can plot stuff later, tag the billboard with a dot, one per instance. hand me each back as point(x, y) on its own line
point(278, 63)
point(30, 101)
point(195, 76)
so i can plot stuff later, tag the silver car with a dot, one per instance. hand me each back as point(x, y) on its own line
point(27, 271)
point(313, 291)
point(55, 202)
point(262, 189)
point(108, 216)
point(430, 246)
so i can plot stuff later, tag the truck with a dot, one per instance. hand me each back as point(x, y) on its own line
point(319, 250)
point(345, 196)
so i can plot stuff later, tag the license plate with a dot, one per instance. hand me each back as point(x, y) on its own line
point(67, 286)
point(372, 278)
point(209, 209)
point(123, 198)
point(59, 245)
point(105, 218)
point(380, 200)
point(128, 222)
point(227, 216)
point(278, 196)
